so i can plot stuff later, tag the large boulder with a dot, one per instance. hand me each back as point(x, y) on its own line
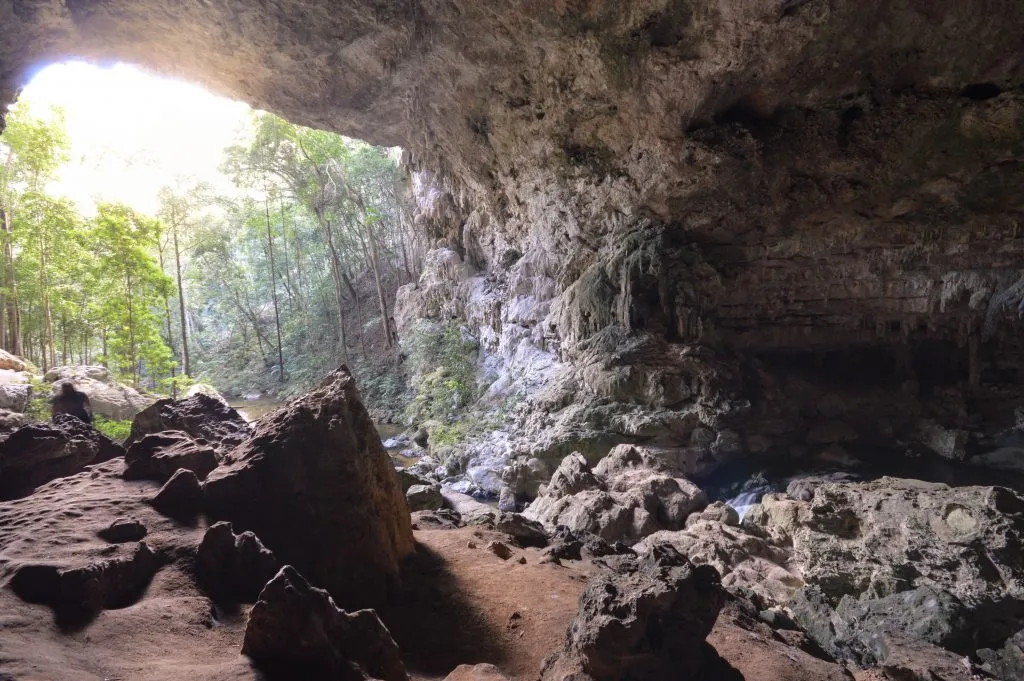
point(317, 487)
point(11, 362)
point(40, 452)
point(199, 416)
point(107, 397)
point(744, 559)
point(297, 629)
point(885, 538)
point(157, 456)
point(630, 494)
point(15, 396)
point(646, 621)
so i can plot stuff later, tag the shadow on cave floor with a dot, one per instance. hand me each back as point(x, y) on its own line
point(435, 625)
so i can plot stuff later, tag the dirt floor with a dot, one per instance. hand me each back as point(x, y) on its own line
point(460, 602)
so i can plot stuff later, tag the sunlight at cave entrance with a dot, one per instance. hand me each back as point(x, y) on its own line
point(132, 132)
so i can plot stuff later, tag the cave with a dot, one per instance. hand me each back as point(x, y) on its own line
point(728, 232)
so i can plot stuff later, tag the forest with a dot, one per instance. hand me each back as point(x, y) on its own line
point(258, 289)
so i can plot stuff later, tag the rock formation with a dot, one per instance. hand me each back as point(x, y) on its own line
point(352, 527)
point(647, 622)
point(630, 494)
point(296, 628)
point(233, 567)
point(37, 453)
point(158, 455)
point(200, 416)
point(107, 396)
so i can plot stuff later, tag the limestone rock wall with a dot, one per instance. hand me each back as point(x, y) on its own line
point(656, 215)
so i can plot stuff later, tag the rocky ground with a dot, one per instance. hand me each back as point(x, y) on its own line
point(212, 549)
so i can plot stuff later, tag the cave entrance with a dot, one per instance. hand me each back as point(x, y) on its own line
point(173, 236)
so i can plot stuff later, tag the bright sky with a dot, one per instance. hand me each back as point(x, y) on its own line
point(133, 132)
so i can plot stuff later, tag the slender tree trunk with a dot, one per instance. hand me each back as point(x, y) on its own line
point(131, 331)
point(13, 325)
point(167, 317)
point(273, 293)
point(325, 227)
point(289, 285)
point(186, 364)
point(64, 335)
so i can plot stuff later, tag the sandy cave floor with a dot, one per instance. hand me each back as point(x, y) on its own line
point(458, 605)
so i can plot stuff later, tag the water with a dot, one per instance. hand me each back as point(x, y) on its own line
point(743, 484)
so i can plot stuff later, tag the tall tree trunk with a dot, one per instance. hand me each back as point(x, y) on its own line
point(325, 227)
point(167, 317)
point(186, 364)
point(131, 330)
point(273, 293)
point(13, 325)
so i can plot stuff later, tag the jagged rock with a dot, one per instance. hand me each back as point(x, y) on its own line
point(297, 628)
point(629, 494)
point(566, 544)
point(233, 567)
point(319, 490)
point(476, 672)
point(37, 453)
point(107, 397)
point(743, 559)
point(407, 479)
point(908, 659)
point(1007, 662)
point(420, 438)
point(646, 622)
point(802, 488)
point(199, 416)
point(205, 389)
point(123, 530)
point(892, 535)
point(852, 630)
point(79, 593)
point(471, 511)
point(424, 497)
point(718, 512)
point(181, 497)
point(524, 532)
point(158, 455)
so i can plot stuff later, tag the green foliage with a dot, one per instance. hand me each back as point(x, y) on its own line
point(38, 408)
point(442, 361)
point(118, 431)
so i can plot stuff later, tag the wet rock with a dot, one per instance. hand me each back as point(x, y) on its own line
point(200, 416)
point(233, 567)
point(851, 630)
point(40, 452)
point(123, 530)
point(107, 396)
point(319, 490)
point(647, 621)
point(181, 497)
point(158, 455)
point(421, 437)
point(629, 494)
point(424, 497)
point(889, 536)
point(297, 629)
point(1008, 661)
point(79, 593)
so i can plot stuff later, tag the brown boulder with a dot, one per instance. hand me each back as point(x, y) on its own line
point(297, 629)
point(200, 416)
point(181, 497)
point(233, 567)
point(317, 487)
point(40, 452)
point(157, 456)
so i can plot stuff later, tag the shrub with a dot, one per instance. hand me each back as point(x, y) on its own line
point(442, 365)
point(118, 431)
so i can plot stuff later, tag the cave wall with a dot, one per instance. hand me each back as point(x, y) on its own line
point(710, 225)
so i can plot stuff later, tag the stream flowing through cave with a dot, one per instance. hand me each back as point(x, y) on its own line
point(742, 484)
